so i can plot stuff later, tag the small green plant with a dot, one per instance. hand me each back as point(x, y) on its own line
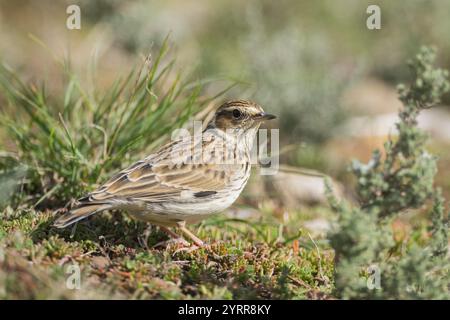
point(70, 142)
point(370, 261)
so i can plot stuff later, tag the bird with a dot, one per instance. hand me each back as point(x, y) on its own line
point(186, 180)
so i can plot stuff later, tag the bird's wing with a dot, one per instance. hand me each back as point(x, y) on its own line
point(165, 174)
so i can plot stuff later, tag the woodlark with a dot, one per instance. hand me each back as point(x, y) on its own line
point(186, 180)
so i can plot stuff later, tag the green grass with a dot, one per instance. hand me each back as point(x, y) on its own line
point(70, 142)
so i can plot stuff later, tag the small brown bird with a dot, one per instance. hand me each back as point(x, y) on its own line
point(186, 180)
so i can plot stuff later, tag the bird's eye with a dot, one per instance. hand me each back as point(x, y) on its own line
point(237, 113)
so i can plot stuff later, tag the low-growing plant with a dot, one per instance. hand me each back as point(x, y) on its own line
point(371, 260)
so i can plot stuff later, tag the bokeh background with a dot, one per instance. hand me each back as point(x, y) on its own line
point(315, 64)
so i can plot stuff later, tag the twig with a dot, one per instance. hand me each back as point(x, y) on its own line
point(320, 258)
point(300, 282)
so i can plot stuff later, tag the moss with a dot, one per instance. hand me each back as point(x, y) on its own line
point(241, 264)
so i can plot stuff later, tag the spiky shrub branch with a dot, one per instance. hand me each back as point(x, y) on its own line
point(69, 144)
point(388, 185)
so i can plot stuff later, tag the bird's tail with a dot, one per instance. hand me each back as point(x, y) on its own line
point(80, 211)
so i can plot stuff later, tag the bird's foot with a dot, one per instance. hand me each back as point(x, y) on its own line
point(176, 241)
point(192, 248)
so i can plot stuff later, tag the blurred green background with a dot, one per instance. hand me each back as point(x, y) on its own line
point(330, 79)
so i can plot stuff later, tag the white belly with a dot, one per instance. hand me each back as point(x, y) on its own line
point(186, 208)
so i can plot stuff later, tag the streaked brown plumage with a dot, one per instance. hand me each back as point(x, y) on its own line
point(184, 181)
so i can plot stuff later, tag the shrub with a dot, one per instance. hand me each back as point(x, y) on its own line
point(401, 179)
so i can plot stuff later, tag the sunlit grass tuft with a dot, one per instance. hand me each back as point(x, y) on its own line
point(70, 142)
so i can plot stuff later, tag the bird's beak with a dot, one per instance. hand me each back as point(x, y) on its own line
point(264, 116)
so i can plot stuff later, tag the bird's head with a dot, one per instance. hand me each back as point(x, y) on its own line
point(239, 115)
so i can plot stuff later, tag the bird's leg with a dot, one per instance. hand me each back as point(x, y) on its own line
point(143, 241)
point(198, 242)
point(169, 232)
point(174, 238)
